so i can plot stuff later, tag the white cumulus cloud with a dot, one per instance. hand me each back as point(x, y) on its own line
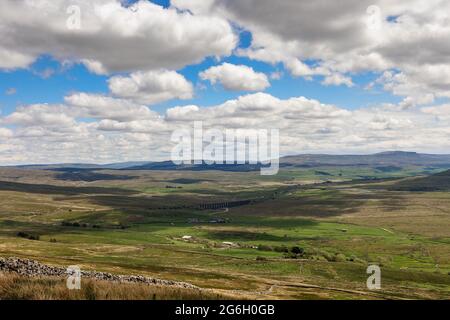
point(236, 77)
point(112, 37)
point(151, 87)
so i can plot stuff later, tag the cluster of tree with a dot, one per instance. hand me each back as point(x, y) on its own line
point(209, 206)
point(79, 225)
point(25, 235)
point(289, 252)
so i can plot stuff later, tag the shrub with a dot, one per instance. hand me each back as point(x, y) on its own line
point(90, 291)
point(282, 249)
point(361, 261)
point(259, 258)
point(290, 255)
point(28, 236)
point(339, 257)
point(263, 247)
point(297, 250)
point(73, 224)
point(327, 256)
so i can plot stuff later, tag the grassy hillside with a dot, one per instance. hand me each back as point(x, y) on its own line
point(16, 287)
point(392, 159)
point(302, 237)
point(436, 182)
point(383, 162)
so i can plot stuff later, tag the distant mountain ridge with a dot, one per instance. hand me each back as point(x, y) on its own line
point(390, 158)
point(385, 161)
point(83, 166)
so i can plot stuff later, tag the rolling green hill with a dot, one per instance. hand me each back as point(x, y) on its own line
point(384, 159)
point(387, 162)
point(436, 182)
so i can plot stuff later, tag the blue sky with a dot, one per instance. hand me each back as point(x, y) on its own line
point(32, 86)
point(114, 86)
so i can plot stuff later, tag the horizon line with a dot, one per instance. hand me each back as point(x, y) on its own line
point(168, 160)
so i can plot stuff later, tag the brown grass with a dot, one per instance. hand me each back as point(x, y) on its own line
point(16, 287)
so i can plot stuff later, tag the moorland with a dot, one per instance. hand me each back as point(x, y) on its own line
point(307, 233)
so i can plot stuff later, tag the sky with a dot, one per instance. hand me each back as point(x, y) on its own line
point(107, 80)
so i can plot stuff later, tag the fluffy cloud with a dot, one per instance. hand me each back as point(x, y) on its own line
point(305, 125)
point(405, 44)
point(341, 38)
point(236, 77)
point(5, 133)
point(12, 59)
point(154, 126)
point(195, 6)
point(111, 37)
point(183, 113)
point(441, 112)
point(151, 87)
point(103, 107)
point(309, 126)
point(337, 80)
point(336, 39)
point(49, 116)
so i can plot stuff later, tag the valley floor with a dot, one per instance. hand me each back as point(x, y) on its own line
point(298, 237)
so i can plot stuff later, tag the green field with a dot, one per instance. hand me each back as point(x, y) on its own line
point(306, 234)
